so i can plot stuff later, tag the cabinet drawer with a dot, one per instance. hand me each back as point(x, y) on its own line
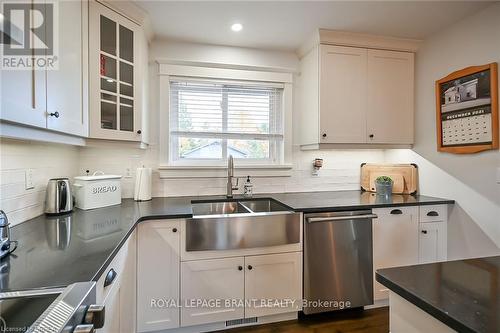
point(434, 213)
point(394, 212)
point(117, 265)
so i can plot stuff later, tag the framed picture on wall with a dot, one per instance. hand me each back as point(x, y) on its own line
point(467, 110)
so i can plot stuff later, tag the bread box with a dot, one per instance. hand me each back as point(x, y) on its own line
point(98, 190)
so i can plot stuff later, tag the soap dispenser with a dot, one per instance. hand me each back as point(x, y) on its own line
point(248, 188)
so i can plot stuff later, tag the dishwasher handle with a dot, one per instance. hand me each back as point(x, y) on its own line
point(340, 218)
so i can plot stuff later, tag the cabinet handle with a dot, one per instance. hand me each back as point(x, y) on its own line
point(240, 268)
point(424, 231)
point(324, 135)
point(110, 277)
point(54, 114)
point(250, 267)
point(371, 136)
point(139, 131)
point(174, 230)
point(432, 213)
point(396, 212)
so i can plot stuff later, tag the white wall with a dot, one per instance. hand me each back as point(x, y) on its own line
point(218, 55)
point(469, 179)
point(47, 161)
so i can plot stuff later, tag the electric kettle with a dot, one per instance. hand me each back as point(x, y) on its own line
point(58, 199)
point(6, 246)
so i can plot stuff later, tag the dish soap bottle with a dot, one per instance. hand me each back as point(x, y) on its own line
point(248, 188)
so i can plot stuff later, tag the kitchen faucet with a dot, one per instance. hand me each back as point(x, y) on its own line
point(230, 175)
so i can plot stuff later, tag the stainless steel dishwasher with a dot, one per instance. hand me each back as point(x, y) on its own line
point(338, 260)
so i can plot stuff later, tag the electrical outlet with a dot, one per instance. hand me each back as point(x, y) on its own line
point(128, 173)
point(28, 179)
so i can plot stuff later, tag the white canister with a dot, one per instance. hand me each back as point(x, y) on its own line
point(98, 190)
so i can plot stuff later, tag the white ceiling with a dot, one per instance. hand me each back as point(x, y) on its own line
point(285, 25)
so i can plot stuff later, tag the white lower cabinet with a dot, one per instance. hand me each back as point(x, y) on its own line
point(407, 236)
point(251, 286)
point(158, 264)
point(118, 296)
point(432, 242)
point(220, 280)
point(112, 312)
point(395, 241)
point(273, 278)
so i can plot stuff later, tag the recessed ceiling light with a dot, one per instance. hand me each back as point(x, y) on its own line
point(236, 27)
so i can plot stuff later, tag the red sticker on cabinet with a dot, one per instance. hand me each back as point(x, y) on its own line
point(103, 65)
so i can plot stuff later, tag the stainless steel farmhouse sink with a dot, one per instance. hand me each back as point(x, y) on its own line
point(231, 225)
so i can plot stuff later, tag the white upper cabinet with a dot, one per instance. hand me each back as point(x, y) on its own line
point(54, 98)
point(342, 97)
point(23, 97)
point(67, 109)
point(115, 75)
point(389, 116)
point(356, 93)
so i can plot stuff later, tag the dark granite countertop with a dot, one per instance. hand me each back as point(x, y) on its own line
point(463, 294)
point(58, 251)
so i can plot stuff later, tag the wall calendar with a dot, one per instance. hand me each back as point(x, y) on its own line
point(467, 110)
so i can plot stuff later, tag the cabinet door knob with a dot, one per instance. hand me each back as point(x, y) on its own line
point(240, 268)
point(371, 136)
point(174, 230)
point(250, 267)
point(432, 213)
point(139, 131)
point(396, 212)
point(324, 135)
point(54, 114)
point(424, 231)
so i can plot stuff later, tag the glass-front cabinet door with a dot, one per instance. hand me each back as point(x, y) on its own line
point(114, 76)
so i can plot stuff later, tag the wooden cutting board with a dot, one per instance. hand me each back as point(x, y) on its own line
point(405, 177)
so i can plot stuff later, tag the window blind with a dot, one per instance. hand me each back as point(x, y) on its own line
point(226, 113)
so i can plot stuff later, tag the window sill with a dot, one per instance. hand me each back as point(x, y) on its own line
point(181, 171)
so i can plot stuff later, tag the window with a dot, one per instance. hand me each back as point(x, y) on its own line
point(211, 120)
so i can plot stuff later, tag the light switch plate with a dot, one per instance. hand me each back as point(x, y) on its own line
point(498, 175)
point(28, 179)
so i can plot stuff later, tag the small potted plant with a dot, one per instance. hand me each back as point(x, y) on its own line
point(383, 185)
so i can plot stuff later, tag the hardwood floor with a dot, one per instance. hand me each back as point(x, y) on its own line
point(352, 321)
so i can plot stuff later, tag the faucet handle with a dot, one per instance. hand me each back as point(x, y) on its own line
point(4, 221)
point(235, 187)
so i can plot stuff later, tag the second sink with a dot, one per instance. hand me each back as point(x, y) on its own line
point(218, 208)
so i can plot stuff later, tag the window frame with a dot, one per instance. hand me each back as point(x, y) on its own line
point(207, 169)
point(275, 145)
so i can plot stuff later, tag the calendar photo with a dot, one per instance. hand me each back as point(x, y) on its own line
point(467, 107)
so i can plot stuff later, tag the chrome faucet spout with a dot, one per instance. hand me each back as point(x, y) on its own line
point(230, 174)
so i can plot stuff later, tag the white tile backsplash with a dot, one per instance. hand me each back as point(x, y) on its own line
point(340, 171)
point(46, 160)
